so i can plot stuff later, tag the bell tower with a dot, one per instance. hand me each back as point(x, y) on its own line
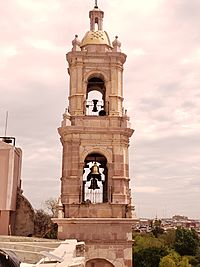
point(95, 195)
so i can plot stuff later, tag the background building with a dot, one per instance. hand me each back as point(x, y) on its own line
point(16, 213)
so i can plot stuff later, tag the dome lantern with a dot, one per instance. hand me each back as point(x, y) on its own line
point(96, 35)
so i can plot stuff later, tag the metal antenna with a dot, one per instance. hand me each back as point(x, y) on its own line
point(6, 123)
point(96, 5)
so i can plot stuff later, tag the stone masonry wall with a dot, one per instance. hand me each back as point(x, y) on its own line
point(24, 217)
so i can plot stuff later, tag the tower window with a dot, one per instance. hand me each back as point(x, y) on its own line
point(95, 179)
point(95, 102)
point(96, 25)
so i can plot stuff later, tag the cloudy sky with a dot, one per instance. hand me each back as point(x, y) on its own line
point(161, 85)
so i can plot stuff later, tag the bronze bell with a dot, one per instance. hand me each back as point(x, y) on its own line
point(94, 173)
point(95, 169)
point(94, 105)
point(94, 184)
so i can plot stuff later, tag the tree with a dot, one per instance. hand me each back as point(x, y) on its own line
point(167, 262)
point(146, 241)
point(194, 260)
point(186, 241)
point(149, 257)
point(174, 256)
point(184, 263)
point(42, 223)
point(169, 238)
point(157, 229)
point(51, 206)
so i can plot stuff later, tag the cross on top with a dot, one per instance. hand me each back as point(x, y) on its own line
point(96, 5)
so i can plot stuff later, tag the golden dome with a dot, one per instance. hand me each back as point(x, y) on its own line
point(95, 37)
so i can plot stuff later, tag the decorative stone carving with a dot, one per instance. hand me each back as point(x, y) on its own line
point(76, 44)
point(60, 209)
point(116, 45)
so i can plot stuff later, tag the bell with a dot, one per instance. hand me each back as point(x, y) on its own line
point(94, 184)
point(95, 169)
point(94, 105)
point(94, 173)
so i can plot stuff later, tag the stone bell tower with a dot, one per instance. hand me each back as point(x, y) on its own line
point(95, 195)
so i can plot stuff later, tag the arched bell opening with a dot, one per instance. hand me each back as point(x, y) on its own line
point(96, 27)
point(95, 97)
point(95, 179)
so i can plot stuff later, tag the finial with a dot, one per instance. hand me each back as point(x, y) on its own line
point(76, 44)
point(96, 5)
point(116, 45)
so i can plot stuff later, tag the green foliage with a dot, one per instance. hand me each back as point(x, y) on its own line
point(43, 226)
point(157, 231)
point(174, 256)
point(184, 263)
point(168, 238)
point(42, 223)
point(167, 262)
point(186, 241)
point(194, 260)
point(151, 251)
point(156, 228)
point(149, 257)
point(146, 241)
point(52, 232)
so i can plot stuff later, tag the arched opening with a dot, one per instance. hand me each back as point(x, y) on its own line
point(99, 263)
point(95, 179)
point(96, 28)
point(95, 97)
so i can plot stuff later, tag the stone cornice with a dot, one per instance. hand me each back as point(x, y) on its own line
point(80, 56)
point(86, 221)
point(68, 130)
